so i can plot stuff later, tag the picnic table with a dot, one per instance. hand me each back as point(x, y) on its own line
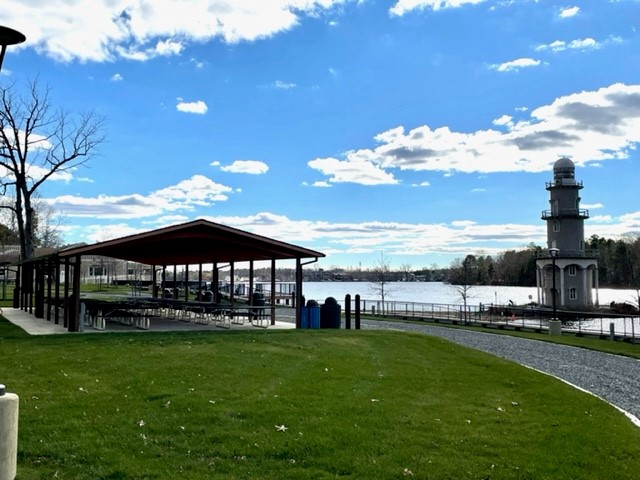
point(138, 312)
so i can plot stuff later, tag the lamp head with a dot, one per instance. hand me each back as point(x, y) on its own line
point(9, 36)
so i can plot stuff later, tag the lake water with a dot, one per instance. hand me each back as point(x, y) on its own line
point(437, 292)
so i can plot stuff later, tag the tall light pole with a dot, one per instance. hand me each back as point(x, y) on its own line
point(555, 326)
point(8, 36)
point(9, 402)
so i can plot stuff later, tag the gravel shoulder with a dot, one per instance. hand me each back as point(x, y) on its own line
point(614, 378)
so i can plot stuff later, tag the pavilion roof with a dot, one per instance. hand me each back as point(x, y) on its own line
point(192, 243)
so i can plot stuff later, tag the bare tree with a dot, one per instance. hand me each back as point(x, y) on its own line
point(381, 276)
point(47, 228)
point(407, 271)
point(36, 143)
point(463, 276)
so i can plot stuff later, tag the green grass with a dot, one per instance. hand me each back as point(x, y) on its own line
point(359, 404)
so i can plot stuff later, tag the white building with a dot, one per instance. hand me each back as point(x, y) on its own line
point(576, 269)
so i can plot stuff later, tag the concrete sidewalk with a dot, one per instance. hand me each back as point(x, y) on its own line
point(40, 326)
point(30, 324)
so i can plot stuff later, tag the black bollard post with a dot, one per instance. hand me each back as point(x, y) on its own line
point(347, 312)
point(357, 312)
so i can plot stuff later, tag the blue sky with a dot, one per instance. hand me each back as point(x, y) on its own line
point(424, 130)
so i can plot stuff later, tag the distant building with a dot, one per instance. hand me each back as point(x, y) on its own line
point(576, 269)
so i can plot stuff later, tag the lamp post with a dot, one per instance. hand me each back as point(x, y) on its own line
point(555, 325)
point(8, 36)
point(9, 402)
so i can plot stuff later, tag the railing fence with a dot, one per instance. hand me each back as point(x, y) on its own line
point(506, 316)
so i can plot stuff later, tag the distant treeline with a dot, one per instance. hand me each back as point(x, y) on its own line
point(618, 266)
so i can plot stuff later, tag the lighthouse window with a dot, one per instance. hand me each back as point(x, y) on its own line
point(573, 294)
point(556, 226)
point(572, 270)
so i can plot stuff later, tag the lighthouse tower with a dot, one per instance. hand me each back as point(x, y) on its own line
point(575, 274)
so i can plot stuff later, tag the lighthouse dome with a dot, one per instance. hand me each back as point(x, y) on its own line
point(564, 171)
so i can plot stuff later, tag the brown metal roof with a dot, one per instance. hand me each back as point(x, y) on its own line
point(192, 243)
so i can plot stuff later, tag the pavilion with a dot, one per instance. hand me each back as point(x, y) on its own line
point(46, 284)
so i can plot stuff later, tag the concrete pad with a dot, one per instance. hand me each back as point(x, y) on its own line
point(40, 326)
point(30, 324)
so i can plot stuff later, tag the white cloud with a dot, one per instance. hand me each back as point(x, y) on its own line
point(405, 6)
point(458, 238)
point(516, 64)
point(569, 12)
point(592, 206)
point(421, 184)
point(601, 219)
point(198, 64)
point(321, 184)
point(591, 126)
point(283, 85)
point(253, 167)
point(102, 30)
point(198, 107)
point(504, 120)
point(559, 45)
point(168, 47)
point(116, 77)
point(358, 167)
point(372, 237)
point(197, 191)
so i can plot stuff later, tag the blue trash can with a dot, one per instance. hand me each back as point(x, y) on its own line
point(310, 315)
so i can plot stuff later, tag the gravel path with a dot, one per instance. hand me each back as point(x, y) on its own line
point(611, 377)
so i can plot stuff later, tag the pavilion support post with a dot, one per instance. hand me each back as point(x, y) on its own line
point(39, 289)
point(56, 308)
point(163, 280)
point(29, 285)
point(233, 280)
point(298, 297)
point(26, 275)
point(24, 305)
point(175, 282)
point(251, 282)
point(215, 280)
point(199, 294)
point(67, 269)
point(154, 282)
point(186, 283)
point(74, 318)
point(49, 279)
point(273, 291)
point(17, 289)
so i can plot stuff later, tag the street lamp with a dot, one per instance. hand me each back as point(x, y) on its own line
point(9, 36)
point(555, 327)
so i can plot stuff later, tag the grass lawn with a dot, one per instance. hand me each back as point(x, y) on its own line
point(359, 404)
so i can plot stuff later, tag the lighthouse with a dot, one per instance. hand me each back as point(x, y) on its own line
point(566, 272)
